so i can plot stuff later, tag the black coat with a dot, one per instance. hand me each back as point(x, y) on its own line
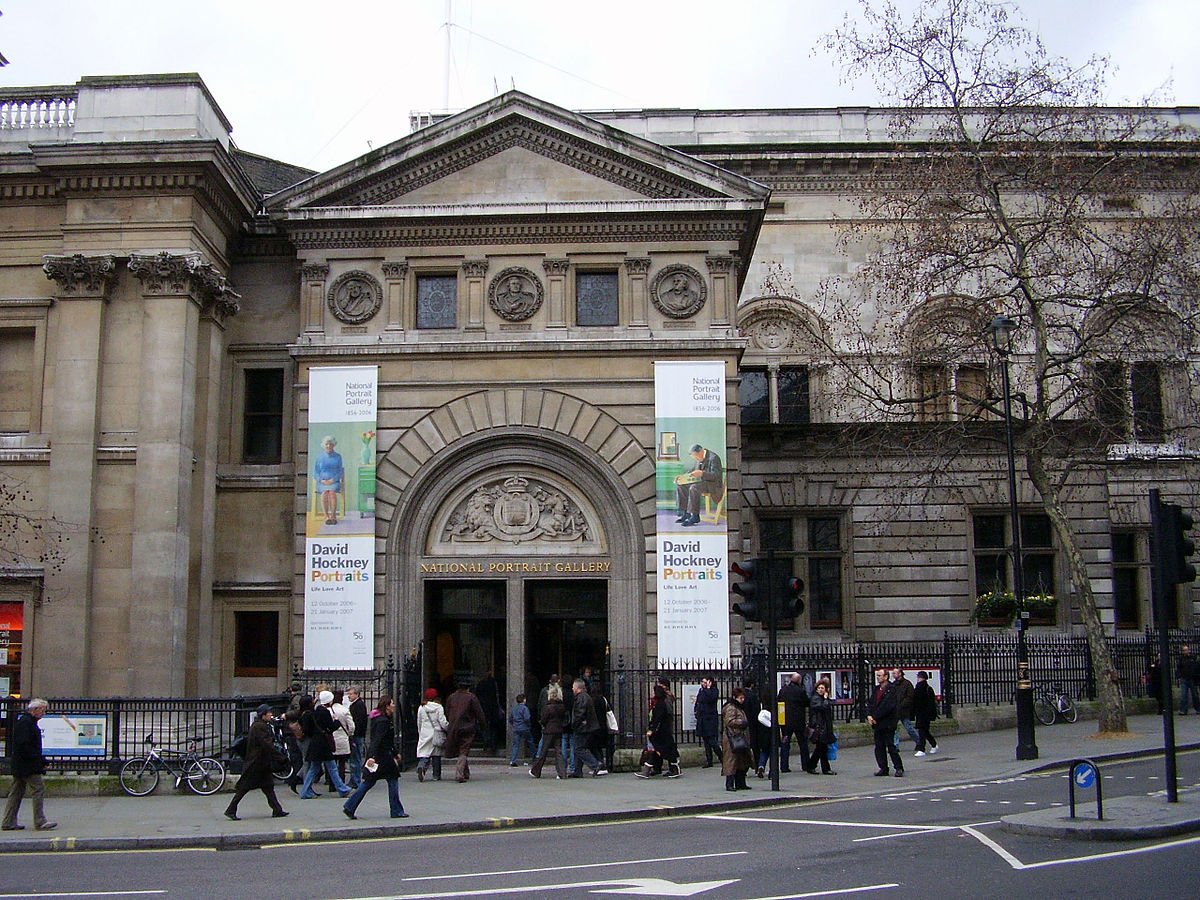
point(26, 747)
point(882, 707)
point(708, 720)
point(319, 725)
point(261, 756)
point(358, 712)
point(795, 701)
point(553, 719)
point(381, 747)
point(583, 714)
point(924, 703)
point(662, 729)
point(821, 719)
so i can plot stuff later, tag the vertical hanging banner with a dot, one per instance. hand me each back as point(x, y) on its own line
point(693, 538)
point(339, 550)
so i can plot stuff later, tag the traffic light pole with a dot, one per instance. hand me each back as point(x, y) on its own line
point(773, 665)
point(1159, 535)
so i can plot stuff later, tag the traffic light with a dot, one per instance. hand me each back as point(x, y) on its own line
point(793, 597)
point(1177, 546)
point(752, 606)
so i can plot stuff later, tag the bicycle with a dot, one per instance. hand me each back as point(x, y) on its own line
point(1049, 705)
point(202, 774)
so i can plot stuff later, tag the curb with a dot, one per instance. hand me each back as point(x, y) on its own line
point(1092, 830)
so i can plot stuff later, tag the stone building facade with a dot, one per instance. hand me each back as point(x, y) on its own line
point(513, 272)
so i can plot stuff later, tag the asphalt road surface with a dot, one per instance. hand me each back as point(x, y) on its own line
point(899, 841)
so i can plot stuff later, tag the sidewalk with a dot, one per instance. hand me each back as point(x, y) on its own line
point(498, 796)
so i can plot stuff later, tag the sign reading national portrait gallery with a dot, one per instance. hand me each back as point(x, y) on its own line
point(693, 539)
point(339, 551)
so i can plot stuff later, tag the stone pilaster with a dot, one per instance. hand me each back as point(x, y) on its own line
point(312, 297)
point(474, 273)
point(63, 631)
point(722, 272)
point(556, 290)
point(395, 276)
point(638, 269)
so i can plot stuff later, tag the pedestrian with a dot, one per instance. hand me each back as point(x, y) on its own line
point(1186, 671)
point(584, 725)
point(318, 725)
point(904, 705)
point(925, 709)
point(521, 728)
point(543, 694)
point(383, 760)
point(27, 767)
point(466, 718)
point(820, 728)
point(258, 769)
point(661, 735)
point(708, 720)
point(358, 741)
point(881, 716)
point(292, 735)
point(295, 695)
point(795, 702)
point(604, 741)
point(737, 752)
point(432, 727)
point(760, 734)
point(554, 718)
point(342, 736)
point(1155, 682)
point(492, 728)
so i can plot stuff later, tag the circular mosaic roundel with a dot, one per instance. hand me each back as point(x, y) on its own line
point(515, 294)
point(678, 291)
point(355, 297)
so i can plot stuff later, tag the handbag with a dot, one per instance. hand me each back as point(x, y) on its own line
point(738, 743)
point(833, 748)
point(811, 733)
point(610, 718)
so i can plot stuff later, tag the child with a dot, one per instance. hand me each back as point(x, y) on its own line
point(520, 726)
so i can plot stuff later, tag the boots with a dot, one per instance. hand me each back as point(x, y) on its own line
point(739, 782)
point(708, 757)
point(673, 770)
point(729, 785)
point(647, 771)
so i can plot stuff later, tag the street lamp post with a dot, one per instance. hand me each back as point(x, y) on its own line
point(1001, 329)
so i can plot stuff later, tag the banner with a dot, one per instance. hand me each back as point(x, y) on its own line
point(693, 539)
point(339, 553)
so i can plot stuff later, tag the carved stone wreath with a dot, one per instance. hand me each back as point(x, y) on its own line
point(355, 297)
point(516, 510)
point(515, 294)
point(678, 291)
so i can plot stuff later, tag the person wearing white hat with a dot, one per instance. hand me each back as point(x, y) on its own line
point(319, 725)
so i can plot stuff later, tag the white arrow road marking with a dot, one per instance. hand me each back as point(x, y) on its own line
point(830, 893)
point(660, 887)
point(599, 865)
point(639, 885)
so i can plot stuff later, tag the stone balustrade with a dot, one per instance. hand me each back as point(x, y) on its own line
point(37, 108)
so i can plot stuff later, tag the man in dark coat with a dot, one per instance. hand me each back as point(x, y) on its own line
point(881, 716)
point(1186, 671)
point(708, 720)
point(925, 710)
point(760, 736)
point(709, 478)
point(584, 723)
point(466, 717)
point(904, 705)
point(261, 757)
point(319, 725)
point(358, 740)
point(488, 691)
point(28, 767)
point(794, 698)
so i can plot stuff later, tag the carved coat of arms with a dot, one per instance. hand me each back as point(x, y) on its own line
point(516, 511)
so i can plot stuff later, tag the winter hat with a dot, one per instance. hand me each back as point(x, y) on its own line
point(325, 698)
point(431, 694)
point(263, 709)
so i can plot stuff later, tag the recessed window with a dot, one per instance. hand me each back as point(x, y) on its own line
point(948, 393)
point(1127, 591)
point(812, 546)
point(755, 397)
point(1129, 401)
point(16, 379)
point(262, 417)
point(779, 394)
point(256, 644)
point(993, 565)
point(437, 301)
point(792, 384)
point(596, 298)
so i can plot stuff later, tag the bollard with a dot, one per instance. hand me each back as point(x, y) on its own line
point(1085, 772)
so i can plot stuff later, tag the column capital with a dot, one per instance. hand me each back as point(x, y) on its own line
point(168, 272)
point(475, 268)
point(80, 275)
point(394, 269)
point(637, 265)
point(314, 272)
point(721, 263)
point(556, 266)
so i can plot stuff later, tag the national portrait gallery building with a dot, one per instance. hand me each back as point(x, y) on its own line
point(517, 388)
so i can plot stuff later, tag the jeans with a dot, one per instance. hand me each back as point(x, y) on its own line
point(357, 745)
point(519, 738)
point(393, 786)
point(1188, 690)
point(570, 744)
point(912, 732)
point(785, 745)
point(310, 776)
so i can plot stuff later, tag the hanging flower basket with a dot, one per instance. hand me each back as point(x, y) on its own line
point(999, 608)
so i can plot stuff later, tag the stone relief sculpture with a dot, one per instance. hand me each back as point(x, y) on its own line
point(355, 297)
point(516, 511)
point(678, 291)
point(774, 333)
point(515, 294)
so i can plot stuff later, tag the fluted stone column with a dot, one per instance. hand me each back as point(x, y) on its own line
point(638, 269)
point(723, 274)
point(395, 275)
point(556, 289)
point(172, 287)
point(62, 662)
point(312, 297)
point(475, 271)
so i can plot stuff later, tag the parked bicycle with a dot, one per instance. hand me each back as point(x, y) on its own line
point(1049, 705)
point(202, 774)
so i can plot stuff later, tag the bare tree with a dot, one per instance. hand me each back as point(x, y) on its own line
point(31, 541)
point(1005, 185)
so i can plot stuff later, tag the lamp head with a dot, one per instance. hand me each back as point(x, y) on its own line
point(1001, 330)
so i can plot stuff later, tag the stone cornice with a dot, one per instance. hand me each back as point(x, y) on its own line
point(166, 273)
point(682, 345)
point(78, 275)
point(27, 191)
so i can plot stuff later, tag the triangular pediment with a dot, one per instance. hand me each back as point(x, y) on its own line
point(515, 149)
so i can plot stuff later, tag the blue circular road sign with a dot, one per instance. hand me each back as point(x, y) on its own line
point(1084, 775)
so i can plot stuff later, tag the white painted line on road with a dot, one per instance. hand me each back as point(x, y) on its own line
point(888, 837)
point(820, 822)
point(441, 876)
point(994, 847)
point(659, 887)
point(853, 890)
point(82, 894)
point(1045, 864)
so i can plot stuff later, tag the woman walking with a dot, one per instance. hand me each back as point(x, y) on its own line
point(820, 713)
point(708, 719)
point(736, 752)
point(661, 735)
point(432, 726)
point(554, 719)
point(383, 760)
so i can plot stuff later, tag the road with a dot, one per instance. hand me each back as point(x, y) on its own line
point(899, 841)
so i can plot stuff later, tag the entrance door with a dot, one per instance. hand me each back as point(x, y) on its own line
point(466, 636)
point(566, 627)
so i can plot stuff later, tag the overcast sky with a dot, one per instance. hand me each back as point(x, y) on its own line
point(317, 84)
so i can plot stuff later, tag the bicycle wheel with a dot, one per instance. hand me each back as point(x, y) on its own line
point(1066, 707)
point(204, 775)
point(1044, 710)
point(283, 770)
point(139, 776)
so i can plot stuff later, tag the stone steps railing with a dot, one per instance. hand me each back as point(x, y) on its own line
point(37, 108)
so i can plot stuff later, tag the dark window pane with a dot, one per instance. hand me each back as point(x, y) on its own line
point(262, 417)
point(1146, 387)
point(823, 534)
point(989, 531)
point(991, 573)
point(1125, 597)
point(437, 301)
point(1035, 531)
point(793, 395)
point(1039, 573)
point(256, 646)
point(825, 592)
point(1124, 547)
point(1110, 398)
point(775, 534)
point(754, 395)
point(596, 298)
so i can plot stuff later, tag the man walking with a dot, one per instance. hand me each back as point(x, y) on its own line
point(881, 716)
point(925, 709)
point(466, 717)
point(1185, 671)
point(904, 705)
point(358, 740)
point(795, 702)
point(28, 767)
point(584, 723)
point(261, 756)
